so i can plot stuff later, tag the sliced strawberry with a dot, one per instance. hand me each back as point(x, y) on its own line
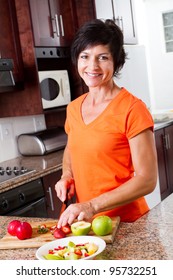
point(66, 229)
point(78, 252)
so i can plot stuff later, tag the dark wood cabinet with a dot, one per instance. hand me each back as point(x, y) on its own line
point(53, 204)
point(26, 100)
point(164, 146)
point(52, 22)
point(9, 38)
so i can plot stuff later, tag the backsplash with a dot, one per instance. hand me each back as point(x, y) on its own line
point(10, 128)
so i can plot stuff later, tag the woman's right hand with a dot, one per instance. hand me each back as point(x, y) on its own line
point(65, 188)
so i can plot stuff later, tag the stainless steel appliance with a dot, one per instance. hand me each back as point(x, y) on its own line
point(55, 88)
point(9, 173)
point(42, 142)
point(6, 75)
point(25, 201)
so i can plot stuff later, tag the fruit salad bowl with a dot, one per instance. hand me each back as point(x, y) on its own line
point(72, 248)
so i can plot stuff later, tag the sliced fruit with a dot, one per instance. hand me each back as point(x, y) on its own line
point(71, 244)
point(81, 228)
point(53, 257)
point(42, 229)
point(72, 256)
point(66, 229)
point(91, 248)
point(58, 233)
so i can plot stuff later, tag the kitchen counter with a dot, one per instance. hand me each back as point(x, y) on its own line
point(42, 166)
point(149, 238)
point(159, 125)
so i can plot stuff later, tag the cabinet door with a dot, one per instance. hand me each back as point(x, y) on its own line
point(52, 22)
point(125, 18)
point(162, 169)
point(104, 9)
point(122, 12)
point(53, 203)
point(9, 38)
point(169, 155)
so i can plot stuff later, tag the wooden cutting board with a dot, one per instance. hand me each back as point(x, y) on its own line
point(37, 240)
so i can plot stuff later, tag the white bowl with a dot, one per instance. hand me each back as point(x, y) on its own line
point(43, 250)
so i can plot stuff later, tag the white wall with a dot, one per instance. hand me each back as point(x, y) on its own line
point(10, 128)
point(160, 63)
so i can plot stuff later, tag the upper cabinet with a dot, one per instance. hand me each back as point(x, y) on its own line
point(52, 22)
point(9, 37)
point(16, 42)
point(122, 12)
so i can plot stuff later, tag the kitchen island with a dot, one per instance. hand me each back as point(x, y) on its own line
point(149, 238)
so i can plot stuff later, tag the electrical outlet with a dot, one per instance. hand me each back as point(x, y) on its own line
point(6, 131)
point(39, 123)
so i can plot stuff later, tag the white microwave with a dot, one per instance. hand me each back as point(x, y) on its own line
point(55, 88)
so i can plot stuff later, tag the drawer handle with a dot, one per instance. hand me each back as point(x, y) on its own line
point(51, 198)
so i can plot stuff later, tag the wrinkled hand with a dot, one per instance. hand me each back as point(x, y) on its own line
point(65, 187)
point(80, 211)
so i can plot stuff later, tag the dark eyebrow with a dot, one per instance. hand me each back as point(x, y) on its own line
point(107, 53)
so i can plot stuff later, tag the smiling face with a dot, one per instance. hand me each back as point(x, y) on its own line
point(95, 65)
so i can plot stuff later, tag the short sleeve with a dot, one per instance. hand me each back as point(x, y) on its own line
point(139, 119)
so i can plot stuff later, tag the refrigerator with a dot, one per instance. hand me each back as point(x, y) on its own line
point(134, 74)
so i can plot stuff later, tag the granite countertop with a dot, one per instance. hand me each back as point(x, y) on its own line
point(149, 238)
point(42, 166)
point(162, 124)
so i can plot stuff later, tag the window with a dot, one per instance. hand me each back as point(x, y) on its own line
point(168, 30)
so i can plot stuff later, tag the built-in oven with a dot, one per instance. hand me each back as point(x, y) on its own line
point(26, 200)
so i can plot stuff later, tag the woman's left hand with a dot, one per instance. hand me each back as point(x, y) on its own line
point(80, 211)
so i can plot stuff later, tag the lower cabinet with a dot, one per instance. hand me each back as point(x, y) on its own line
point(53, 203)
point(164, 146)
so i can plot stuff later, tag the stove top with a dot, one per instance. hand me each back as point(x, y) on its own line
point(10, 173)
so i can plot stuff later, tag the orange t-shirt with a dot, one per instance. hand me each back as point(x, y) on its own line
point(100, 153)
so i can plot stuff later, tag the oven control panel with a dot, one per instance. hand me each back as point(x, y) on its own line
point(8, 173)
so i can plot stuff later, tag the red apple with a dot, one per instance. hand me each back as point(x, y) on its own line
point(12, 227)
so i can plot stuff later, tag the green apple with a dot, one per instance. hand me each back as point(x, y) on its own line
point(102, 225)
point(81, 228)
point(53, 257)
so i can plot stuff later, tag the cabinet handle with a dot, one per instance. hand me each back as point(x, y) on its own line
point(166, 141)
point(113, 11)
point(51, 198)
point(164, 137)
point(62, 25)
point(169, 143)
point(121, 21)
point(117, 21)
point(57, 25)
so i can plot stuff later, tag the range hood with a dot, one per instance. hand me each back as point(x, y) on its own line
point(6, 75)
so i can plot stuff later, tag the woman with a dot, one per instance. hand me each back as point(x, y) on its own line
point(110, 158)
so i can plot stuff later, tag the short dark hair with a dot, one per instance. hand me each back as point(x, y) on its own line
point(99, 32)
